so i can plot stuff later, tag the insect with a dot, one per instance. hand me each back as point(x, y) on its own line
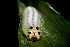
point(31, 23)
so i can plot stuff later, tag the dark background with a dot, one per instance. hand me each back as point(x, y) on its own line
point(61, 6)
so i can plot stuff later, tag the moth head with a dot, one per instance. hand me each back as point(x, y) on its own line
point(34, 33)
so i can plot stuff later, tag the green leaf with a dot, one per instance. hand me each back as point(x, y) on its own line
point(56, 30)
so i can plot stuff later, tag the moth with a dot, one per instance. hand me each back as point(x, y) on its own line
point(31, 23)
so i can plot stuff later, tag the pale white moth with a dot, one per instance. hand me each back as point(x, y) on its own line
point(31, 23)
